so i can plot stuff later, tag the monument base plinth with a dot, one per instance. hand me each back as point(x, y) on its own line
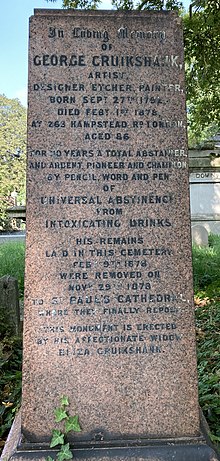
point(192, 449)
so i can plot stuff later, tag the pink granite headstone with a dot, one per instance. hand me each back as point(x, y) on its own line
point(109, 299)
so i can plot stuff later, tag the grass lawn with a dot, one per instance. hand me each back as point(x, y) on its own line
point(12, 262)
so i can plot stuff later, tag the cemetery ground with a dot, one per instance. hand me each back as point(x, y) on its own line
point(206, 266)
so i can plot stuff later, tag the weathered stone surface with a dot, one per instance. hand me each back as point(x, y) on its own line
point(109, 301)
point(9, 303)
point(200, 235)
point(192, 449)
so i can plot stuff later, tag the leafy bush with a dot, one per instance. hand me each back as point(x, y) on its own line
point(11, 263)
point(206, 267)
point(208, 354)
point(10, 382)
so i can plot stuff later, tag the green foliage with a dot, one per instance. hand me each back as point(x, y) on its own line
point(160, 4)
point(64, 401)
point(71, 423)
point(202, 139)
point(60, 414)
point(206, 267)
point(10, 381)
point(13, 154)
point(214, 241)
point(57, 438)
point(12, 257)
point(83, 4)
point(124, 4)
point(202, 57)
point(64, 452)
point(11, 263)
point(208, 323)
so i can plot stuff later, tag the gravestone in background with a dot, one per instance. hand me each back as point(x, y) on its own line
point(9, 304)
point(109, 300)
point(200, 235)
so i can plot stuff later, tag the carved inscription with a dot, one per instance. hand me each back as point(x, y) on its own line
point(108, 315)
point(117, 147)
